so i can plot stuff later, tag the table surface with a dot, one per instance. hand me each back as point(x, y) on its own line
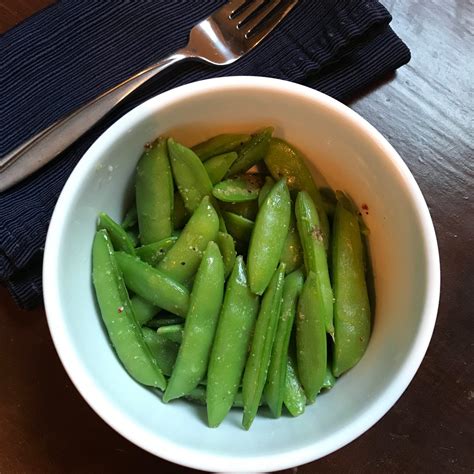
point(425, 110)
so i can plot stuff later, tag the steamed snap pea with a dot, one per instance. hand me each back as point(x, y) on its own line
point(275, 388)
point(182, 259)
point(311, 344)
point(236, 190)
point(154, 193)
point(239, 227)
point(218, 166)
point(153, 285)
point(314, 252)
point(256, 368)
point(329, 380)
point(351, 307)
point(198, 395)
point(162, 349)
point(172, 332)
point(284, 160)
point(190, 175)
point(292, 253)
point(131, 218)
point(268, 237)
point(227, 248)
point(143, 309)
point(180, 213)
point(252, 152)
point(265, 189)
point(155, 252)
point(200, 325)
point(229, 351)
point(118, 316)
point(224, 143)
point(293, 397)
point(119, 237)
point(164, 319)
point(247, 209)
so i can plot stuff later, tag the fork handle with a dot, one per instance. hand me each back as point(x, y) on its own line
point(44, 146)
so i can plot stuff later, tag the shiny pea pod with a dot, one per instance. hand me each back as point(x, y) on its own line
point(276, 379)
point(172, 332)
point(230, 348)
point(329, 380)
point(351, 307)
point(190, 175)
point(153, 285)
point(236, 190)
point(256, 368)
point(199, 395)
point(118, 236)
point(164, 319)
point(294, 397)
point(143, 309)
point(182, 259)
point(247, 209)
point(265, 189)
point(218, 166)
point(154, 193)
point(118, 316)
point(155, 252)
point(314, 252)
point(311, 344)
point(162, 349)
point(180, 213)
point(292, 253)
point(227, 248)
point(252, 152)
point(284, 160)
point(224, 143)
point(239, 227)
point(200, 326)
point(131, 218)
point(268, 237)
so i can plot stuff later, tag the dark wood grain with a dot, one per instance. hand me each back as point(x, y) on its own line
point(425, 110)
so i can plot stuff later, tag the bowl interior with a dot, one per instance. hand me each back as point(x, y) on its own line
point(351, 156)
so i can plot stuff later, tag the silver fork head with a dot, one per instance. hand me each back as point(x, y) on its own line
point(235, 29)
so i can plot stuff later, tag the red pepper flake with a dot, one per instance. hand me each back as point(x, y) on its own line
point(365, 208)
point(120, 309)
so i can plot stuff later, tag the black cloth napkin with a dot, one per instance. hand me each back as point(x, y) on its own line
point(73, 50)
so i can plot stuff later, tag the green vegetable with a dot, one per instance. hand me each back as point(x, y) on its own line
point(143, 309)
point(329, 380)
point(180, 213)
point(162, 349)
point(247, 209)
point(227, 248)
point(236, 190)
point(131, 218)
point(218, 166)
point(239, 227)
point(293, 397)
point(292, 253)
point(265, 189)
point(155, 252)
point(220, 144)
point(172, 332)
point(119, 237)
point(164, 319)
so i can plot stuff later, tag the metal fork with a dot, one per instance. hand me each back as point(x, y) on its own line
point(222, 38)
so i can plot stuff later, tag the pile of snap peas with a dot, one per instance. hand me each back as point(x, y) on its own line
point(232, 281)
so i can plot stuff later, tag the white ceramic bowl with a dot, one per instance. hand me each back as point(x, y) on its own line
point(352, 156)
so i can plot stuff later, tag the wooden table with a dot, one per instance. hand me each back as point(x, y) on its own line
point(425, 110)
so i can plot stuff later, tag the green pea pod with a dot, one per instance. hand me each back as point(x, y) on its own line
point(265, 189)
point(180, 213)
point(162, 349)
point(154, 193)
point(294, 397)
point(284, 160)
point(268, 237)
point(329, 201)
point(182, 260)
point(311, 345)
point(200, 326)
point(236, 190)
point(292, 253)
point(164, 319)
point(229, 351)
point(218, 166)
point(252, 152)
point(314, 252)
point(119, 237)
point(256, 368)
point(131, 218)
point(247, 209)
point(153, 285)
point(118, 316)
point(227, 248)
point(220, 144)
point(190, 175)
point(351, 307)
point(143, 309)
point(276, 379)
point(239, 227)
point(133, 236)
point(198, 395)
point(329, 380)
point(155, 252)
point(172, 332)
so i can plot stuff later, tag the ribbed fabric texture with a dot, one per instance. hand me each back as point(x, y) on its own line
point(72, 51)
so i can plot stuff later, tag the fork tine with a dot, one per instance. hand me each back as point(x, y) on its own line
point(230, 7)
point(268, 20)
point(247, 12)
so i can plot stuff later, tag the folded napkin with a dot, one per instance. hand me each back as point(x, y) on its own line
point(73, 50)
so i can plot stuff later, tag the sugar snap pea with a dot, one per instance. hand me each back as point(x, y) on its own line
point(164, 319)
point(200, 326)
point(229, 351)
point(118, 316)
point(351, 307)
point(239, 189)
point(155, 252)
point(143, 309)
point(227, 248)
point(173, 332)
point(311, 345)
point(153, 285)
point(239, 227)
point(329, 379)
point(198, 395)
point(292, 253)
point(265, 189)
point(190, 175)
point(268, 237)
point(247, 209)
point(131, 217)
point(284, 160)
point(275, 387)
point(294, 397)
point(119, 237)
point(218, 166)
point(314, 252)
point(224, 143)
point(182, 260)
point(180, 213)
point(256, 368)
point(154, 193)
point(162, 349)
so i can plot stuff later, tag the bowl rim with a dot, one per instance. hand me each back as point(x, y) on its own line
point(192, 458)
